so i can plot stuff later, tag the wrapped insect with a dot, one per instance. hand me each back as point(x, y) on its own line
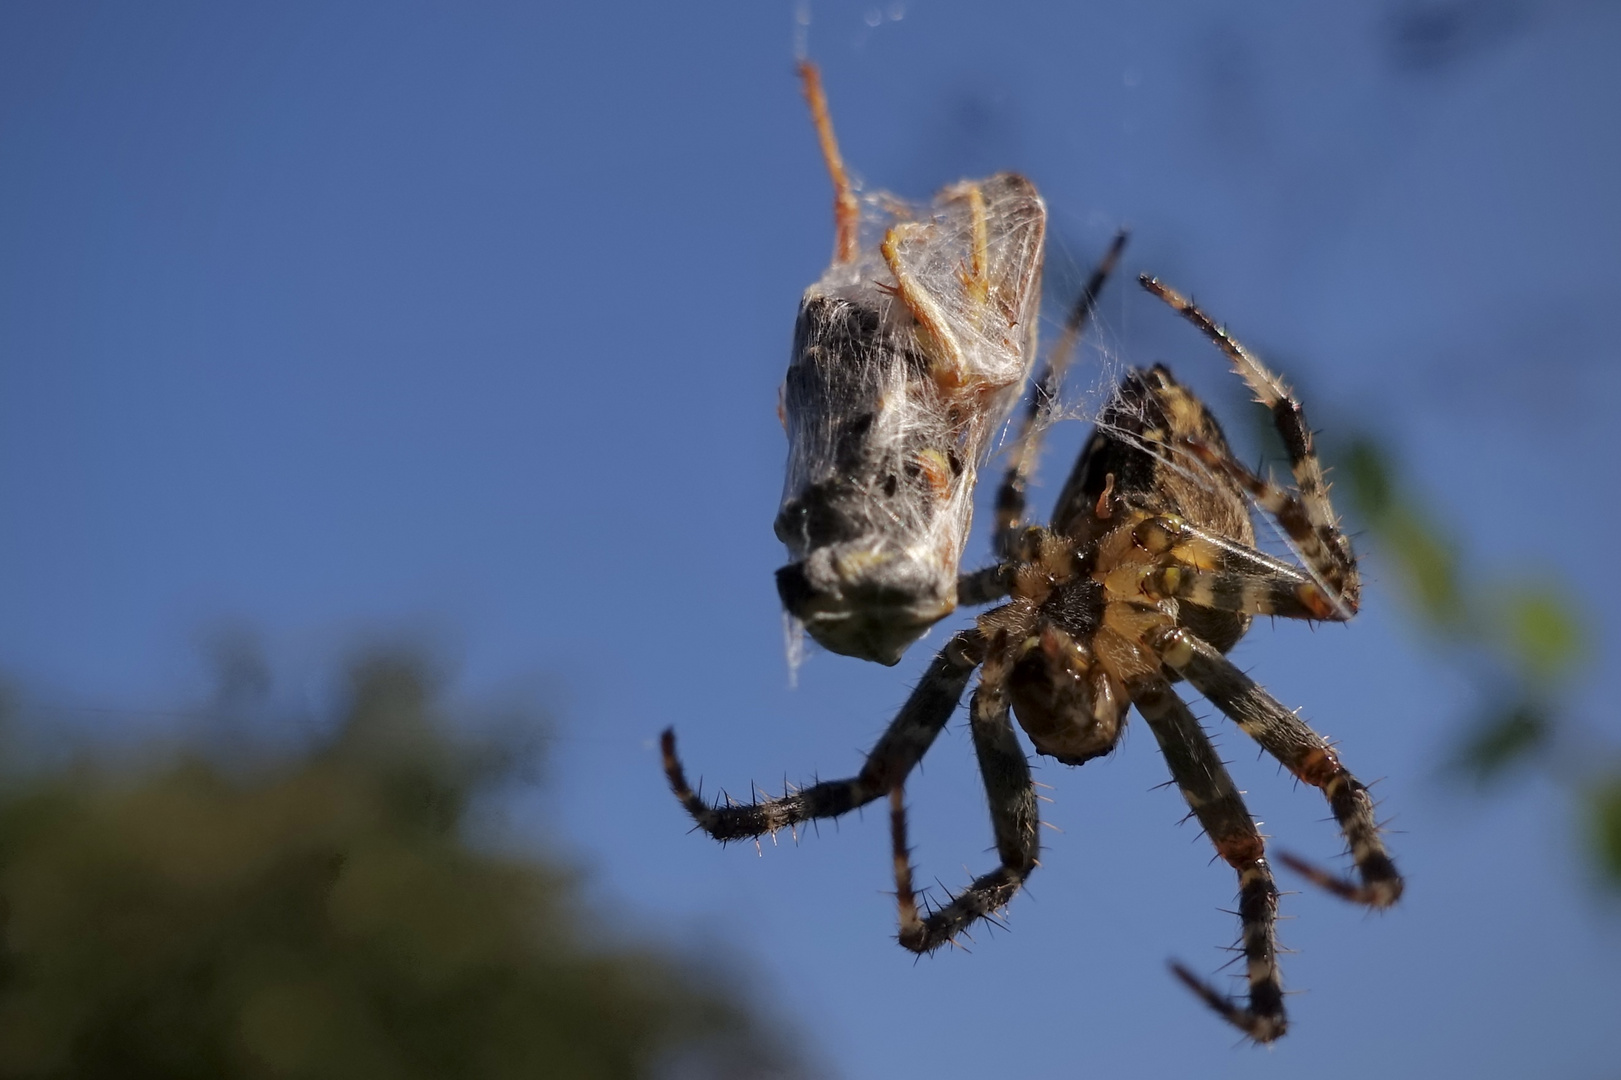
point(908, 354)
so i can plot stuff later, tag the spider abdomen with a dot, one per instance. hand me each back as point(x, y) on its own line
point(1065, 701)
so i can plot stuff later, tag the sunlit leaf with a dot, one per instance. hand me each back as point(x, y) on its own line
point(1406, 537)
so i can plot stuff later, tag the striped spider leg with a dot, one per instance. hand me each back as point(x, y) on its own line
point(1305, 515)
point(1332, 593)
point(1015, 821)
point(1011, 496)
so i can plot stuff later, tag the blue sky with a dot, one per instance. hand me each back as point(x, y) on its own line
point(464, 324)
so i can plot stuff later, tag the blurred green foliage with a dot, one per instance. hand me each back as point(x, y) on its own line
point(1520, 641)
point(325, 916)
point(1604, 816)
point(1426, 559)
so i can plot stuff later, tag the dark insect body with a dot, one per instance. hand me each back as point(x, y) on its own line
point(909, 353)
point(1146, 575)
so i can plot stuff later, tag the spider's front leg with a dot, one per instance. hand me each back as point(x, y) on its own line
point(905, 742)
point(1304, 753)
point(1305, 514)
point(1215, 801)
point(1014, 820)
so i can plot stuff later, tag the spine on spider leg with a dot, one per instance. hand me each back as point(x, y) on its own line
point(1381, 883)
point(1264, 1018)
point(726, 823)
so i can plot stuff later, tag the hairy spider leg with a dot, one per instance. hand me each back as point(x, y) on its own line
point(1304, 753)
point(1308, 517)
point(846, 210)
point(1014, 821)
point(902, 745)
point(985, 585)
point(1026, 451)
point(905, 896)
point(1215, 801)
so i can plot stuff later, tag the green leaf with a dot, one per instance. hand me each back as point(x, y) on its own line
point(1426, 559)
point(1367, 469)
point(1502, 740)
point(1544, 632)
point(1430, 566)
point(1604, 826)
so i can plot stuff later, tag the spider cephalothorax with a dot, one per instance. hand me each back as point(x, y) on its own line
point(1084, 592)
point(1147, 574)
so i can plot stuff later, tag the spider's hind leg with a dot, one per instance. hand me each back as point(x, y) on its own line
point(1014, 820)
point(1215, 801)
point(1304, 753)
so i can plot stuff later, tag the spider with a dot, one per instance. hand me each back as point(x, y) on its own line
point(1147, 575)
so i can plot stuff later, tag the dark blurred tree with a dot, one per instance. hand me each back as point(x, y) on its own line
point(326, 917)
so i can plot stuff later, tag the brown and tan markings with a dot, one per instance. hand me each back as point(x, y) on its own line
point(909, 352)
